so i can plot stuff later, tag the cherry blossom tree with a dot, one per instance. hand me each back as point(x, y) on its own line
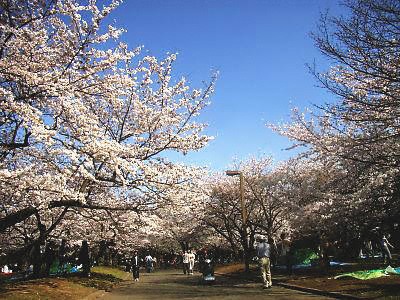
point(85, 122)
point(357, 135)
point(271, 204)
point(177, 225)
point(271, 188)
point(183, 220)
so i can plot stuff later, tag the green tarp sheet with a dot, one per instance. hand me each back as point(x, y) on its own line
point(365, 275)
point(304, 256)
point(66, 268)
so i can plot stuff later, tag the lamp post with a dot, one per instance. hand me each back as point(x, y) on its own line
point(243, 207)
point(244, 215)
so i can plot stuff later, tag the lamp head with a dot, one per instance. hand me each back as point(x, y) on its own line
point(232, 173)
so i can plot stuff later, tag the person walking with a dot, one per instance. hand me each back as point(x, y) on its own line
point(191, 257)
point(263, 250)
point(135, 265)
point(149, 263)
point(286, 251)
point(154, 263)
point(185, 262)
point(385, 250)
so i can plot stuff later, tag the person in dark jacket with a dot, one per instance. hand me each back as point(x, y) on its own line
point(135, 265)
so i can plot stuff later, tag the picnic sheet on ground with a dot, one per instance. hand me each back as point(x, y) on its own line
point(365, 275)
point(304, 256)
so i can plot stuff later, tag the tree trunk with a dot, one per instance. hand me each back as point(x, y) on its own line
point(246, 261)
point(36, 259)
point(62, 256)
point(84, 259)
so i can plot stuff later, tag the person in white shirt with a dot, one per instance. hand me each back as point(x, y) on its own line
point(149, 263)
point(185, 261)
point(191, 257)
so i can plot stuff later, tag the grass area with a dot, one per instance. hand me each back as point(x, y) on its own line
point(47, 288)
point(70, 287)
point(116, 272)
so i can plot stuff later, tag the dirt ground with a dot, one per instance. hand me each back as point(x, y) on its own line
point(76, 287)
point(372, 288)
point(387, 287)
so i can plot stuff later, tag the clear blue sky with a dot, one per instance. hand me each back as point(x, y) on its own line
point(260, 49)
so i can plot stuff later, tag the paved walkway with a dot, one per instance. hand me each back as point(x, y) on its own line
point(171, 284)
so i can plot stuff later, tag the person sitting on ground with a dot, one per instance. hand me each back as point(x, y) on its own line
point(206, 264)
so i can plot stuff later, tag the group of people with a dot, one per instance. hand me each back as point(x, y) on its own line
point(188, 259)
point(265, 251)
point(382, 244)
point(263, 248)
point(266, 248)
point(135, 264)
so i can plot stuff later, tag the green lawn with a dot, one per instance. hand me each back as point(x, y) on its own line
point(69, 288)
point(116, 272)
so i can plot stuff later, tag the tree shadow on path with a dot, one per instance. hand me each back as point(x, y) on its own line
point(171, 284)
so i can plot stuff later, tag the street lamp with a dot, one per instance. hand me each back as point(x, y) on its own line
point(244, 218)
point(235, 173)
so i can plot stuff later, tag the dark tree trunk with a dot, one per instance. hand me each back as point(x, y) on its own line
point(36, 259)
point(49, 258)
point(84, 259)
point(246, 261)
point(62, 256)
